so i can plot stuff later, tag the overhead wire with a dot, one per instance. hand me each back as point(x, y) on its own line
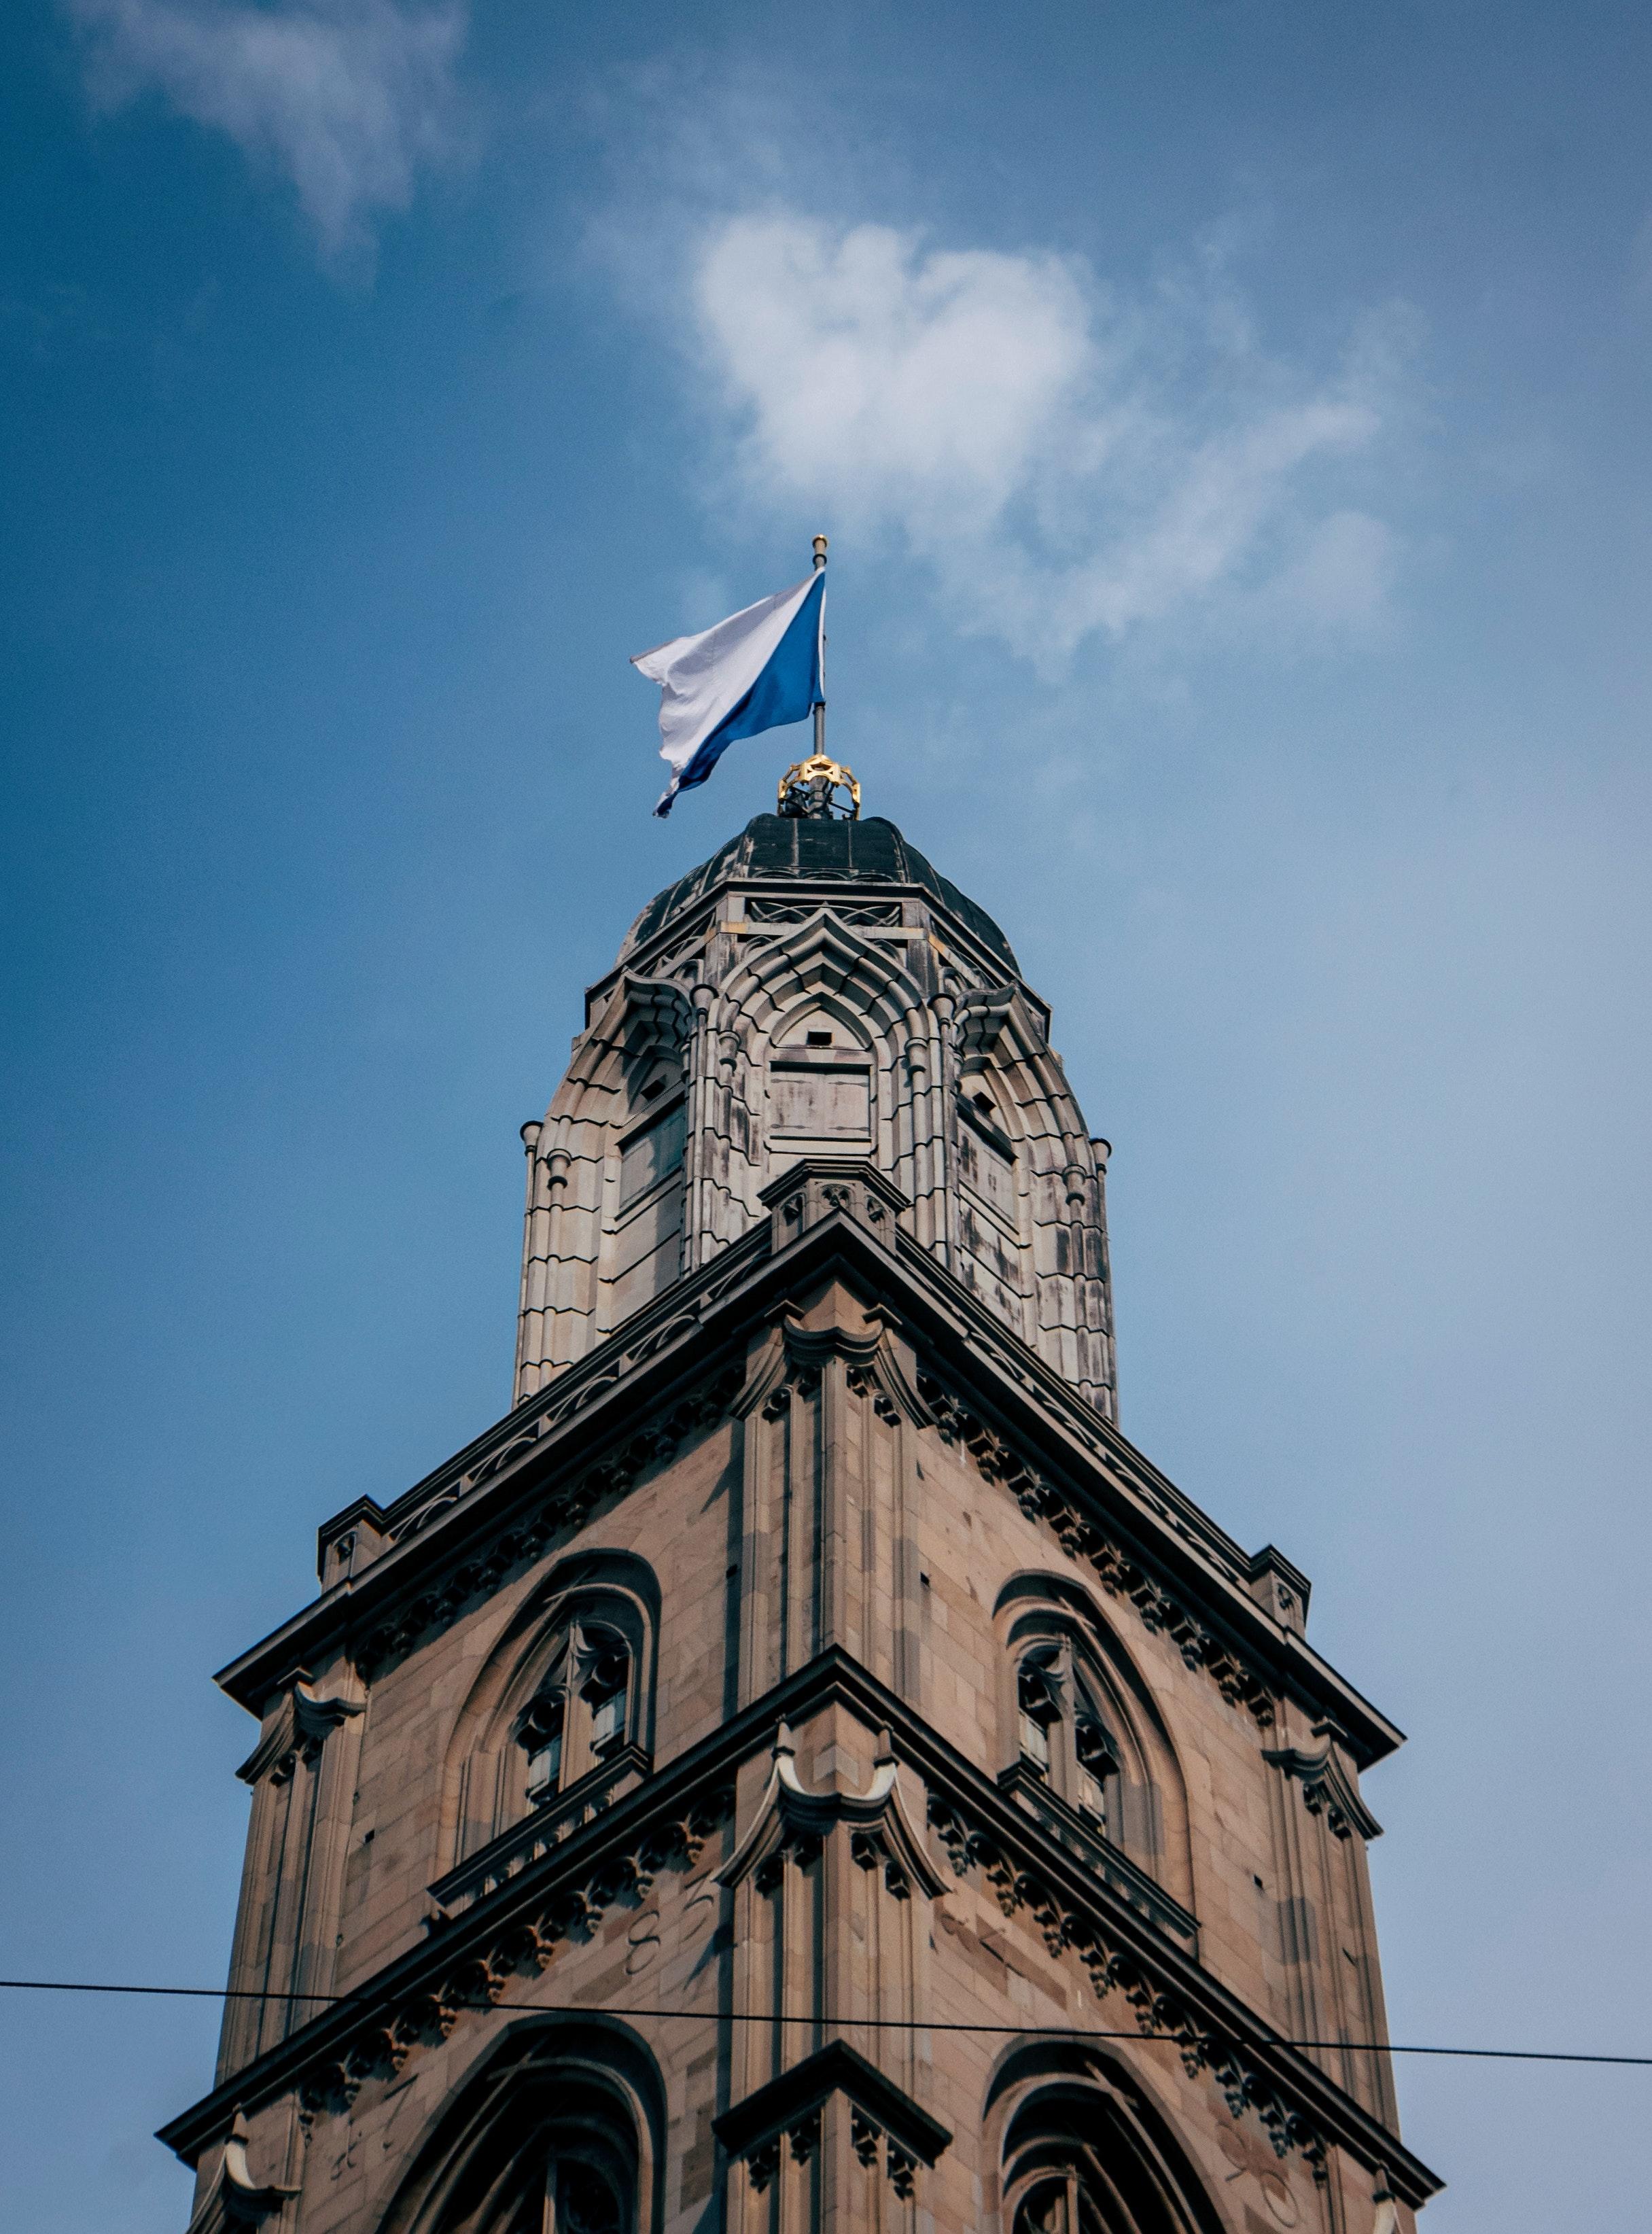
point(836, 2023)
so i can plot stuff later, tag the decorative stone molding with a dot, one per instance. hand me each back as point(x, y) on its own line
point(560, 1508)
point(791, 1361)
point(792, 1818)
point(233, 2198)
point(885, 2125)
point(542, 1832)
point(817, 1187)
point(1327, 1789)
point(513, 1441)
point(302, 1728)
point(1082, 1537)
point(1280, 1586)
point(1159, 2008)
point(1099, 1854)
point(481, 1978)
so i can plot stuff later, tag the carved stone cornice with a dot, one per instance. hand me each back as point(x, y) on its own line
point(507, 1478)
point(885, 2124)
point(789, 1817)
point(1099, 1854)
point(1083, 1538)
point(541, 1833)
point(817, 1187)
point(675, 1316)
point(793, 1358)
point(1159, 2008)
point(468, 1965)
point(233, 2198)
point(1327, 1789)
point(302, 1726)
point(557, 1510)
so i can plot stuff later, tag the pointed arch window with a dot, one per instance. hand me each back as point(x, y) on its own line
point(583, 1713)
point(1064, 1735)
point(561, 2137)
point(1038, 1699)
point(576, 2198)
point(1080, 2160)
point(1096, 1755)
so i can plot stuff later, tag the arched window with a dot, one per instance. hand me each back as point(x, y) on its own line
point(580, 1716)
point(1064, 1734)
point(559, 2133)
point(568, 2195)
point(1065, 2178)
point(566, 1694)
point(1085, 2151)
point(1084, 1743)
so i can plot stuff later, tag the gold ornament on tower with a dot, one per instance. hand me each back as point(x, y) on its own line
point(809, 789)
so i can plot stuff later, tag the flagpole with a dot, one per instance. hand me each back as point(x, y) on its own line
point(819, 711)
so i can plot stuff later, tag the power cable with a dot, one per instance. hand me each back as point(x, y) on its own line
point(841, 2024)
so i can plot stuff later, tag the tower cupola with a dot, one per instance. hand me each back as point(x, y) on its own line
point(816, 989)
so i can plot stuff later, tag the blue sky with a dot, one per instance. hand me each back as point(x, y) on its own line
point(1231, 423)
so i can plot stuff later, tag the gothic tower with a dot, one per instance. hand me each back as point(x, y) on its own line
point(803, 1768)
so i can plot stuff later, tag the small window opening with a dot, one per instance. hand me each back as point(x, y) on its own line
point(819, 1039)
point(605, 1691)
point(541, 1735)
point(1096, 1762)
point(984, 1103)
point(1040, 1707)
point(656, 1085)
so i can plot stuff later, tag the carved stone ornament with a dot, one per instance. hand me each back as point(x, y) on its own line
point(1081, 1538)
point(233, 2198)
point(563, 1507)
point(300, 1729)
point(817, 1187)
point(1159, 2009)
point(809, 792)
point(885, 2125)
point(481, 1978)
point(790, 1819)
point(790, 1361)
point(1327, 1789)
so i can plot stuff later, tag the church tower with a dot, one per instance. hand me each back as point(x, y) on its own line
point(803, 1768)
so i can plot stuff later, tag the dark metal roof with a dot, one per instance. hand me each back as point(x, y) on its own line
point(819, 851)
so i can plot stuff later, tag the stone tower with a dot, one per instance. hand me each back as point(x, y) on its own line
point(803, 1768)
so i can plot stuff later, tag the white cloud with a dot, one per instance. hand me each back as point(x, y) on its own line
point(347, 98)
point(1066, 463)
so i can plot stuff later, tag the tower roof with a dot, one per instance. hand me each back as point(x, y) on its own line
point(816, 850)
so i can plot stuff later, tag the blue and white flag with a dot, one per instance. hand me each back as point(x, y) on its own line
point(756, 670)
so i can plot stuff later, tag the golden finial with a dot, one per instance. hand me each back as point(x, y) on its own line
point(808, 791)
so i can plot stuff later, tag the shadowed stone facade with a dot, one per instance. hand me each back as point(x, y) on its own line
point(803, 1768)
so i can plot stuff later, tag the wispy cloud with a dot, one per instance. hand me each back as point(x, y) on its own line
point(347, 99)
point(1066, 462)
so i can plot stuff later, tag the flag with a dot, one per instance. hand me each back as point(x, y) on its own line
point(756, 670)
